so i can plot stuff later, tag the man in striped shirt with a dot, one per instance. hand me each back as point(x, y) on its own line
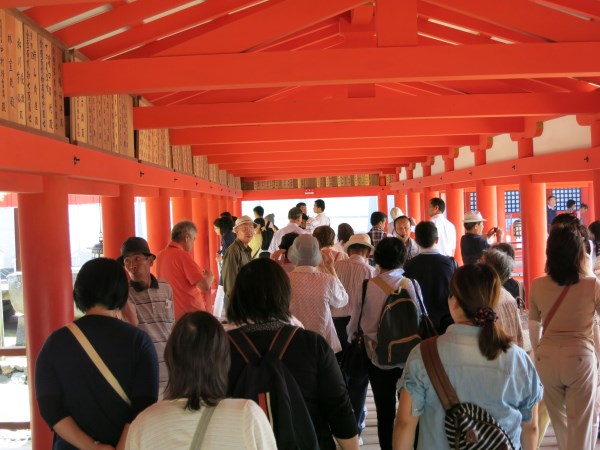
point(352, 272)
point(150, 302)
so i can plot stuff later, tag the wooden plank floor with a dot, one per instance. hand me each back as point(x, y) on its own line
point(371, 442)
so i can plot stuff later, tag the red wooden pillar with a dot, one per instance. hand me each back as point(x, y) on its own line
point(229, 204)
point(414, 206)
point(533, 208)
point(591, 214)
point(595, 192)
point(455, 211)
point(213, 243)
point(400, 201)
point(501, 208)
point(200, 218)
point(222, 204)
point(46, 267)
point(118, 221)
point(486, 203)
point(158, 221)
point(237, 206)
point(182, 207)
point(382, 202)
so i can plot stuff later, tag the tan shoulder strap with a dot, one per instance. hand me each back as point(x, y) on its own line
point(98, 362)
point(383, 285)
point(554, 308)
point(437, 373)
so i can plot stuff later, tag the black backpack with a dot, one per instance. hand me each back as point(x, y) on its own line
point(268, 382)
point(399, 329)
point(468, 426)
point(267, 235)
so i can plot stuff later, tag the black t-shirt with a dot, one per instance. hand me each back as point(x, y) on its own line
point(67, 383)
point(472, 247)
point(433, 272)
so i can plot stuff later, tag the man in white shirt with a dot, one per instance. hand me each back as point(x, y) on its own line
point(446, 230)
point(295, 218)
point(319, 219)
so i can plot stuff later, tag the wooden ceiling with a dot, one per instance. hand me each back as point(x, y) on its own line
point(300, 88)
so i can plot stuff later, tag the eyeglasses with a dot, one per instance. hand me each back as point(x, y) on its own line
point(134, 259)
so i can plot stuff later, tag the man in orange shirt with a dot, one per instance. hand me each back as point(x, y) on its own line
point(187, 279)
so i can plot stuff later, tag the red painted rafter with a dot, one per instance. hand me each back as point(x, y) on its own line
point(432, 11)
point(130, 14)
point(342, 163)
point(203, 29)
point(311, 68)
point(301, 38)
point(317, 155)
point(291, 172)
point(451, 34)
point(315, 164)
point(162, 27)
point(366, 109)
point(304, 146)
point(527, 17)
point(588, 8)
point(46, 16)
point(354, 130)
point(36, 3)
point(247, 29)
point(374, 190)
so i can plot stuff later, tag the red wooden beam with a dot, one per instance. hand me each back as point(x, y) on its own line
point(46, 16)
point(322, 168)
point(319, 192)
point(20, 182)
point(564, 162)
point(52, 156)
point(312, 67)
point(396, 22)
point(330, 171)
point(353, 130)
point(363, 144)
point(235, 166)
point(317, 155)
point(528, 17)
point(21, 3)
point(129, 14)
point(486, 28)
point(363, 109)
point(266, 25)
point(588, 8)
point(149, 32)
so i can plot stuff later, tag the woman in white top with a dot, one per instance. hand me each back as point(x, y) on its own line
point(197, 357)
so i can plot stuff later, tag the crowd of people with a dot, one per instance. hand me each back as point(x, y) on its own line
point(160, 360)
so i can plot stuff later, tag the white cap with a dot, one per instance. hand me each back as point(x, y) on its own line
point(395, 212)
point(473, 216)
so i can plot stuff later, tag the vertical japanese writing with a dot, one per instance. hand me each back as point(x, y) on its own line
point(3, 73)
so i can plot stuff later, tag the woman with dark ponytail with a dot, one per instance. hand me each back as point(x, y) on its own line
point(483, 365)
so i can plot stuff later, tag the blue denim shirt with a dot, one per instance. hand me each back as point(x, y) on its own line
point(507, 387)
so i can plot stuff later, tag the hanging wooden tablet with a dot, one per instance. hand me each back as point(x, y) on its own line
point(32, 82)
point(11, 40)
point(106, 115)
point(3, 68)
point(43, 45)
point(20, 72)
point(58, 93)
